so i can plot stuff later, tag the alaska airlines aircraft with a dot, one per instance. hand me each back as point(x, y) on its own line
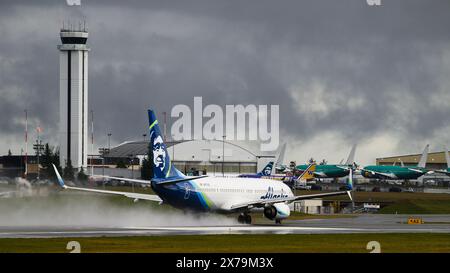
point(333, 171)
point(397, 172)
point(209, 194)
point(266, 171)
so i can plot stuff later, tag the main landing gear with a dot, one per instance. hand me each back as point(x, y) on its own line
point(244, 218)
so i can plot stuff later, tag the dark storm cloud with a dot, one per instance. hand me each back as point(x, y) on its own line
point(332, 66)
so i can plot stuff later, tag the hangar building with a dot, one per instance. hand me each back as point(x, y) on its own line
point(202, 156)
point(435, 160)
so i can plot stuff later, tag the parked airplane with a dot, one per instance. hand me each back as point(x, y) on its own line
point(335, 170)
point(209, 194)
point(266, 171)
point(447, 158)
point(398, 172)
point(279, 166)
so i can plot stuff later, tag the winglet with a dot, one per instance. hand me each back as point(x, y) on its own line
point(60, 180)
point(349, 193)
point(350, 179)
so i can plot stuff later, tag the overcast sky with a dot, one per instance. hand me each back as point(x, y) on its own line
point(341, 71)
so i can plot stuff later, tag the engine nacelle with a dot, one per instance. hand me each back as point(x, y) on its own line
point(277, 211)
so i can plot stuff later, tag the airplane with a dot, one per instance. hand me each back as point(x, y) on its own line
point(398, 172)
point(279, 166)
point(209, 194)
point(333, 170)
point(447, 158)
point(266, 171)
point(301, 180)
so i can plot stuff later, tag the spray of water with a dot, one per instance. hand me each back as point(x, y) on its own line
point(23, 187)
point(31, 208)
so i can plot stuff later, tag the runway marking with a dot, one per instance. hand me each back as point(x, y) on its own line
point(202, 230)
point(240, 228)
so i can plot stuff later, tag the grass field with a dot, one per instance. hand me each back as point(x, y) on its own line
point(317, 243)
point(404, 202)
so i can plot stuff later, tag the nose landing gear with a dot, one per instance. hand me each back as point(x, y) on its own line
point(244, 218)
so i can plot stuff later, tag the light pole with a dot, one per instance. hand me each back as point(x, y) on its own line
point(109, 141)
point(103, 170)
point(92, 142)
point(223, 154)
point(26, 143)
point(132, 170)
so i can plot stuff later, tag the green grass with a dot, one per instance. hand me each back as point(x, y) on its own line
point(418, 207)
point(336, 243)
point(404, 202)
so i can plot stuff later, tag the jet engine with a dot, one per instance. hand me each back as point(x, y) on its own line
point(277, 211)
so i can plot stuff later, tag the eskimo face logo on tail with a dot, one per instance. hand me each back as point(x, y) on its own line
point(159, 153)
point(267, 170)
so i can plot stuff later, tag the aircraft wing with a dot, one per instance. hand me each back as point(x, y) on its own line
point(263, 202)
point(7, 193)
point(320, 174)
point(415, 170)
point(386, 175)
point(441, 171)
point(139, 181)
point(148, 182)
point(141, 196)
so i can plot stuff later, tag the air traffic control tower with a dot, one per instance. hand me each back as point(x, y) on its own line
point(73, 97)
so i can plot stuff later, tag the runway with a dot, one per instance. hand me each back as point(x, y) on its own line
point(359, 224)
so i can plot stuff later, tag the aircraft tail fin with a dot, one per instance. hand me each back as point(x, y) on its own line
point(351, 156)
point(424, 157)
point(280, 158)
point(267, 170)
point(162, 165)
point(308, 173)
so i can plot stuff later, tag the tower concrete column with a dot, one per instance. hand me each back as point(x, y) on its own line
point(73, 97)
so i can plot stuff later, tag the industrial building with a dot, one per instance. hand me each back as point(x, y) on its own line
point(73, 97)
point(435, 161)
point(191, 157)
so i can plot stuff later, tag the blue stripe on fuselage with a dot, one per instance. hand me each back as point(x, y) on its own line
point(176, 196)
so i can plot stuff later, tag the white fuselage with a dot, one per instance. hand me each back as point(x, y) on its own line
point(221, 193)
